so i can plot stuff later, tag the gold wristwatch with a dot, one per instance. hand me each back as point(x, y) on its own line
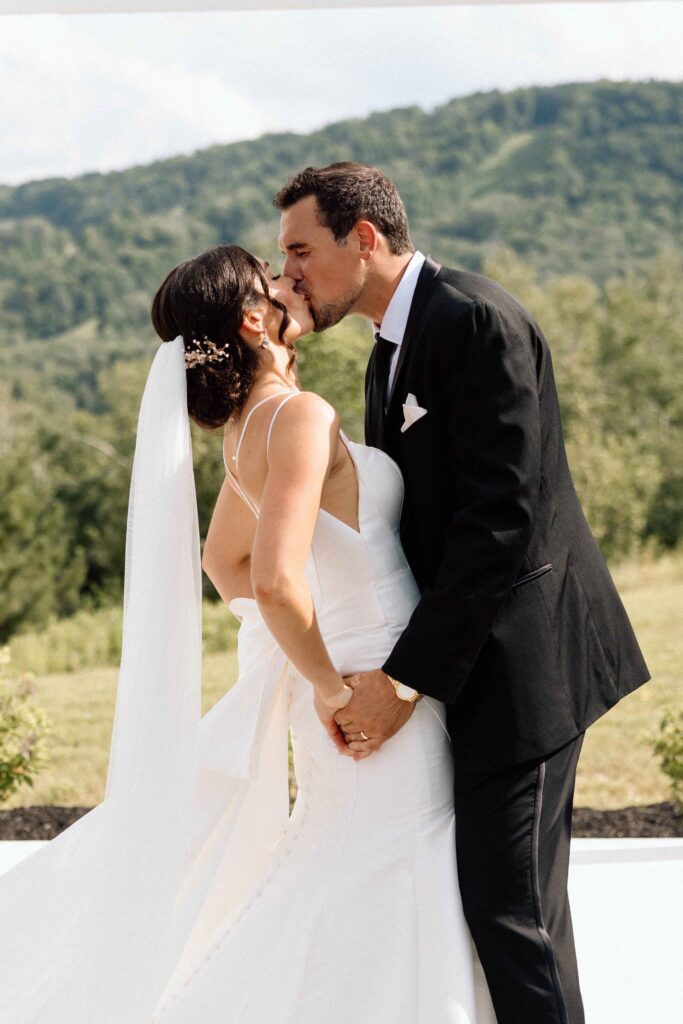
point(404, 692)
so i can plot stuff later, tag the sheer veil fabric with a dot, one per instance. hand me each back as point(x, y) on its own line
point(101, 923)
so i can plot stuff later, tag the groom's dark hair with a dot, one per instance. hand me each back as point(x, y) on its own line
point(348, 192)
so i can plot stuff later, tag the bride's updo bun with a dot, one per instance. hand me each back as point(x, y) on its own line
point(205, 299)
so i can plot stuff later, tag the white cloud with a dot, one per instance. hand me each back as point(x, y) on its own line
point(107, 91)
point(69, 102)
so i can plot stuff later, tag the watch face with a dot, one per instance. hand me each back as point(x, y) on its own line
point(405, 692)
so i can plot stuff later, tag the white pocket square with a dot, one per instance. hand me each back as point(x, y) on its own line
point(412, 412)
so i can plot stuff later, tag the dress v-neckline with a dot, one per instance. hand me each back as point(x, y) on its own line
point(347, 442)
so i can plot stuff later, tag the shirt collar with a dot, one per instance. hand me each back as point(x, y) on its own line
point(395, 319)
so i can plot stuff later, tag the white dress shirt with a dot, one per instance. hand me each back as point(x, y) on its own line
point(393, 326)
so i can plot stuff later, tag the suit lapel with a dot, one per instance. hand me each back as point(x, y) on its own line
point(425, 281)
point(375, 419)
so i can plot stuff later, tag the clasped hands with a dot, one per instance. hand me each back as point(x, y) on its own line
point(374, 711)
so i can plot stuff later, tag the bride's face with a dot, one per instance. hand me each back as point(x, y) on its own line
point(281, 289)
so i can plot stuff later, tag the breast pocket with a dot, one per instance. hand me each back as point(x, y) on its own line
point(533, 575)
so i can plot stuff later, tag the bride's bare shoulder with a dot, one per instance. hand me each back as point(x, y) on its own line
point(309, 411)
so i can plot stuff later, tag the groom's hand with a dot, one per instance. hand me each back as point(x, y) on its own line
point(374, 710)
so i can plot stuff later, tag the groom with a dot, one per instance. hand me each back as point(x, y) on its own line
point(519, 629)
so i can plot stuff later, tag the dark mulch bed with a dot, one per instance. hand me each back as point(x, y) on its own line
point(38, 822)
point(653, 820)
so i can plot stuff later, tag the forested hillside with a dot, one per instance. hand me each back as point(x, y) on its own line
point(582, 177)
point(571, 196)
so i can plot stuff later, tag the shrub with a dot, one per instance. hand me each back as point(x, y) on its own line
point(668, 747)
point(23, 729)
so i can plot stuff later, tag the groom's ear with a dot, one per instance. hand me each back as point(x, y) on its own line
point(368, 238)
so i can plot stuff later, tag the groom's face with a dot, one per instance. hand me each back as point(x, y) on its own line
point(328, 273)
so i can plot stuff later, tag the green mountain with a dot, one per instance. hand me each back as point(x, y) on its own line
point(569, 196)
point(575, 178)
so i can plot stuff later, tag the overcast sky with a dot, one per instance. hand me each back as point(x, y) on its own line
point(101, 92)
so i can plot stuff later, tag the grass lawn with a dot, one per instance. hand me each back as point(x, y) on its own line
point(616, 767)
point(81, 710)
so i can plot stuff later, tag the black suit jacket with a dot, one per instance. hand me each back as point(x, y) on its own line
point(520, 629)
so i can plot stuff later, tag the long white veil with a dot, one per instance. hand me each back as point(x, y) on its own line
point(162, 607)
point(103, 922)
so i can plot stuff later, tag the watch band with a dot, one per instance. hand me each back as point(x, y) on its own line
point(413, 697)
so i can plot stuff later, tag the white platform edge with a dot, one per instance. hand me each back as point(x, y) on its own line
point(627, 903)
point(137, 6)
point(583, 851)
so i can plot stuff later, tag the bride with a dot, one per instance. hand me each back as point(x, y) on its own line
point(189, 894)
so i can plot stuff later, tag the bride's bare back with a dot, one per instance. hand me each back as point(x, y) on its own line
point(251, 433)
point(292, 421)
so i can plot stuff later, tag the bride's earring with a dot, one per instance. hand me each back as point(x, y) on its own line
point(266, 341)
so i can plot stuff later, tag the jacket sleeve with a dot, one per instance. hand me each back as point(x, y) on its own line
point(494, 447)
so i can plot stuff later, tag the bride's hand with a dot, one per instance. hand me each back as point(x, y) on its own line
point(375, 709)
point(327, 707)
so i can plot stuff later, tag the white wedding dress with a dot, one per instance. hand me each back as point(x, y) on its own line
point(230, 912)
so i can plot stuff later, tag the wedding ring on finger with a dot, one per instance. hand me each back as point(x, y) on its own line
point(363, 736)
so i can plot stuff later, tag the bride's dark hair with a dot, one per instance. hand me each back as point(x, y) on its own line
point(205, 299)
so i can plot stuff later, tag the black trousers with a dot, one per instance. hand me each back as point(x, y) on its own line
point(513, 829)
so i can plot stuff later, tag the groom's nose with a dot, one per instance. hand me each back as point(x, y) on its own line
point(290, 269)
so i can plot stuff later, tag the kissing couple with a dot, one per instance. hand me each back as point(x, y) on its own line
point(427, 616)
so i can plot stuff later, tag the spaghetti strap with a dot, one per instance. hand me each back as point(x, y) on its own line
point(249, 415)
point(236, 486)
point(270, 428)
